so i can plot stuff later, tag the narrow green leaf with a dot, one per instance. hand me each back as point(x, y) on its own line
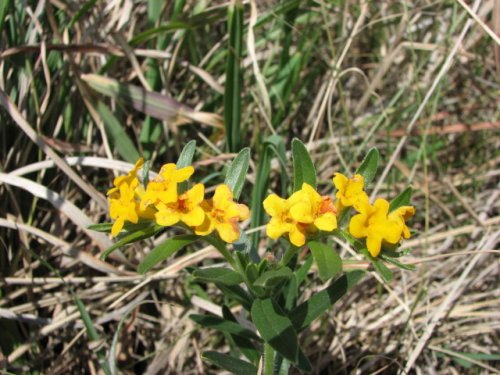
point(409, 267)
point(368, 167)
point(163, 251)
point(402, 199)
point(382, 269)
point(232, 90)
point(270, 279)
point(303, 167)
point(128, 227)
point(138, 235)
point(117, 135)
point(101, 227)
point(187, 154)
point(223, 325)
point(275, 328)
point(328, 261)
point(91, 331)
point(246, 346)
point(219, 275)
point(4, 8)
point(237, 172)
point(85, 8)
point(230, 363)
point(238, 294)
point(302, 272)
point(305, 313)
point(185, 160)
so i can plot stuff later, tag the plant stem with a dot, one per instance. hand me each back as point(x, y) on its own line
point(268, 359)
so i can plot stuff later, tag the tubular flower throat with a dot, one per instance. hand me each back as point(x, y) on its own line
point(305, 211)
point(186, 208)
point(163, 188)
point(378, 225)
point(222, 214)
point(349, 190)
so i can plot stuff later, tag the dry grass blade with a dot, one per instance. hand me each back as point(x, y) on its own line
point(73, 213)
point(39, 141)
point(151, 103)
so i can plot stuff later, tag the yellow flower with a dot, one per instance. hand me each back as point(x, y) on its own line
point(350, 190)
point(123, 206)
point(378, 226)
point(186, 209)
point(400, 215)
point(222, 214)
point(281, 222)
point(163, 188)
point(305, 211)
point(128, 179)
point(308, 207)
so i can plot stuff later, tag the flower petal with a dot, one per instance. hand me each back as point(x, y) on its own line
point(297, 236)
point(274, 205)
point(167, 217)
point(196, 194)
point(301, 212)
point(326, 222)
point(276, 228)
point(358, 225)
point(194, 217)
point(183, 174)
point(117, 226)
point(374, 244)
point(227, 231)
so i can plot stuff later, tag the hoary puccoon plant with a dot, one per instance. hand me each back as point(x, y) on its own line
point(263, 283)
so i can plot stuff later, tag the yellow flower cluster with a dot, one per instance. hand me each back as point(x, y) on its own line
point(306, 211)
point(160, 201)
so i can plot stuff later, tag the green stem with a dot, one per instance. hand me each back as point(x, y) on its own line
point(268, 359)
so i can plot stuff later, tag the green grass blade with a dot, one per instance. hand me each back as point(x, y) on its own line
point(117, 135)
point(233, 86)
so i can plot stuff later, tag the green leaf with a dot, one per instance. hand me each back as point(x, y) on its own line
point(303, 167)
point(409, 267)
point(220, 324)
point(219, 275)
point(305, 313)
point(402, 199)
point(275, 328)
point(246, 346)
point(232, 91)
point(237, 172)
point(187, 154)
point(229, 363)
point(135, 236)
point(185, 160)
point(272, 278)
point(237, 293)
point(164, 250)
point(328, 261)
point(368, 167)
point(382, 270)
point(128, 227)
point(116, 133)
point(4, 8)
